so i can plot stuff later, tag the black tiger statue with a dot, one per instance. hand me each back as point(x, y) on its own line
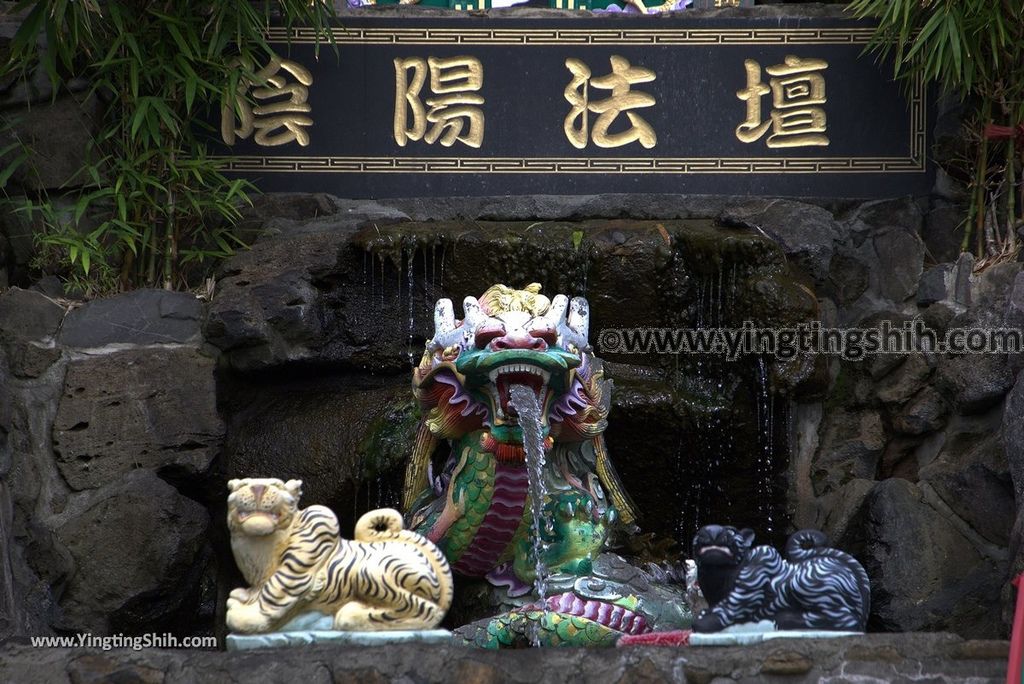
point(813, 587)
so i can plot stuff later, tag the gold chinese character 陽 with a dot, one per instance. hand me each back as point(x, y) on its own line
point(276, 122)
point(797, 88)
point(622, 100)
point(454, 81)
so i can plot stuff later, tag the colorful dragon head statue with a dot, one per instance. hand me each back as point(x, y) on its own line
point(509, 337)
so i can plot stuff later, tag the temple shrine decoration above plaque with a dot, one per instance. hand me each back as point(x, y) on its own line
point(468, 105)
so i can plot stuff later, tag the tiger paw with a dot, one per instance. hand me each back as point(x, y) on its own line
point(708, 622)
point(354, 617)
point(246, 618)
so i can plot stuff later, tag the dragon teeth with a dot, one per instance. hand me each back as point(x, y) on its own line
point(519, 368)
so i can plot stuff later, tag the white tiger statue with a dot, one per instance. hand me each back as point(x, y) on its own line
point(295, 561)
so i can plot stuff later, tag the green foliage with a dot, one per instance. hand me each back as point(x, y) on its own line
point(968, 46)
point(975, 49)
point(150, 202)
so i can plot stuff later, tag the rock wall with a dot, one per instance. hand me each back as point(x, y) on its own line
point(109, 425)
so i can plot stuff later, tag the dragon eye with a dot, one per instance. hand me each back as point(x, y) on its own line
point(546, 333)
point(487, 332)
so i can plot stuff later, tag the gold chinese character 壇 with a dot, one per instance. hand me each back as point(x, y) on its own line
point(454, 112)
point(622, 100)
point(275, 122)
point(797, 87)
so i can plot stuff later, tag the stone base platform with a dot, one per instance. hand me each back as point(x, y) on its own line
point(238, 642)
point(871, 658)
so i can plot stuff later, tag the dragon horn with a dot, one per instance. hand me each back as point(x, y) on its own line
point(574, 327)
point(472, 313)
point(446, 330)
point(444, 317)
point(557, 311)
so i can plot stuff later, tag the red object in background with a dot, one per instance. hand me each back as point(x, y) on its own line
point(1013, 672)
point(997, 132)
point(679, 637)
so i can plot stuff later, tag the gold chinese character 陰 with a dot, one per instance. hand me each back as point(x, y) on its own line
point(622, 100)
point(455, 108)
point(797, 88)
point(276, 122)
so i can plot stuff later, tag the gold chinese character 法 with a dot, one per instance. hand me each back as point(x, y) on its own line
point(622, 100)
point(455, 82)
point(797, 88)
point(275, 122)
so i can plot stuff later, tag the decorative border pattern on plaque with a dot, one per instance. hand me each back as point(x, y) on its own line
point(556, 36)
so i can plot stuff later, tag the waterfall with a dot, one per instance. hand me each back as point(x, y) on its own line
point(411, 284)
point(766, 430)
point(524, 401)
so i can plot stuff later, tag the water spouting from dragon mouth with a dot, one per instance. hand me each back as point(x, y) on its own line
point(524, 401)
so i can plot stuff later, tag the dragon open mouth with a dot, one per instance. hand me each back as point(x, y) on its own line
point(505, 377)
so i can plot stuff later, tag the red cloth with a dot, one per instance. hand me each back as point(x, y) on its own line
point(680, 637)
point(1013, 672)
point(997, 132)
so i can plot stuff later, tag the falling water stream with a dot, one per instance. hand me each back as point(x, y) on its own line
point(524, 401)
point(766, 430)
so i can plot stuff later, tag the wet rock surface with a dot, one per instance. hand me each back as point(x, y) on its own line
point(889, 658)
point(346, 438)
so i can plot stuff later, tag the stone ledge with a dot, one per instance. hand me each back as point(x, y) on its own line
point(881, 657)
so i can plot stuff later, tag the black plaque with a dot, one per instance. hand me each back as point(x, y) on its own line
point(876, 130)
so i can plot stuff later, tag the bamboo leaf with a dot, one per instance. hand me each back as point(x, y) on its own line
point(14, 165)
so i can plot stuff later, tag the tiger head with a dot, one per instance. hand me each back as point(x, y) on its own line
point(261, 506)
point(722, 545)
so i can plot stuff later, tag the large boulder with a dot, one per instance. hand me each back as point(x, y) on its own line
point(927, 571)
point(29, 322)
point(138, 549)
point(852, 443)
point(321, 293)
point(139, 408)
point(805, 232)
point(266, 309)
point(1013, 434)
point(140, 317)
